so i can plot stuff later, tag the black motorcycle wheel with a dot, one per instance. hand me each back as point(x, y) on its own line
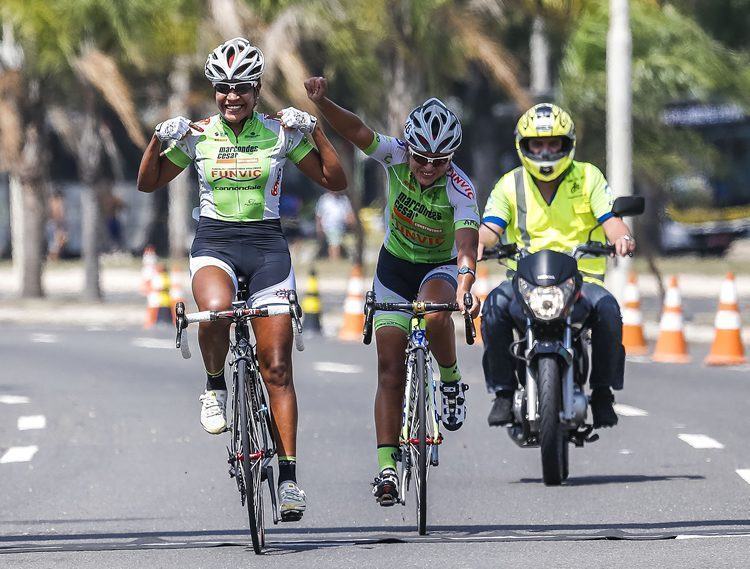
point(552, 436)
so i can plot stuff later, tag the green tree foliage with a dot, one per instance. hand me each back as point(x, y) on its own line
point(674, 59)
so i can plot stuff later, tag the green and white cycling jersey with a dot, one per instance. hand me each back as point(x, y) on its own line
point(240, 176)
point(421, 223)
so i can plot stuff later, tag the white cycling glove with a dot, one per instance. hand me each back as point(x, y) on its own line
point(172, 129)
point(294, 118)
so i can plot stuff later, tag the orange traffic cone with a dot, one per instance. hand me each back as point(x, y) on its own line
point(147, 268)
point(481, 288)
point(727, 348)
point(632, 320)
point(671, 346)
point(354, 316)
point(158, 305)
point(176, 290)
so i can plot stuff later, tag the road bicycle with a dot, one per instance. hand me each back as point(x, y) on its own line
point(420, 435)
point(251, 445)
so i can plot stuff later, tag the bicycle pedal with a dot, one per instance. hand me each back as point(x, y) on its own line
point(291, 516)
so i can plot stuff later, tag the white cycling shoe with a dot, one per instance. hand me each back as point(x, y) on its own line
point(213, 411)
point(292, 501)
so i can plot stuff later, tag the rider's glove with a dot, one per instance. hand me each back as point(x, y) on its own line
point(172, 129)
point(294, 118)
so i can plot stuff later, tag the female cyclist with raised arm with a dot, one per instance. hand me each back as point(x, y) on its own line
point(429, 253)
point(239, 156)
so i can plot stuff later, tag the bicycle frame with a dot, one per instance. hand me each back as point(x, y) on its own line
point(243, 350)
point(418, 342)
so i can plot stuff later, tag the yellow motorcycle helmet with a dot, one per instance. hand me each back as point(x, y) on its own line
point(546, 120)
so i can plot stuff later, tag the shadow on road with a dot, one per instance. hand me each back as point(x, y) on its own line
point(286, 540)
point(615, 479)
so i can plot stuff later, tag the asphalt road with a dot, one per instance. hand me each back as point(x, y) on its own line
point(103, 462)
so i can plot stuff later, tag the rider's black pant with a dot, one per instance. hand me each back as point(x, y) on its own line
point(501, 312)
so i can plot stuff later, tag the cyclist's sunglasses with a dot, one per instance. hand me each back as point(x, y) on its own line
point(423, 160)
point(239, 88)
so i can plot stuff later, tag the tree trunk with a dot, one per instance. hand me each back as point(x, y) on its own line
point(29, 214)
point(179, 188)
point(90, 239)
point(89, 154)
point(403, 95)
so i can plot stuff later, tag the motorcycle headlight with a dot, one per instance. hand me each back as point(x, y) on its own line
point(546, 302)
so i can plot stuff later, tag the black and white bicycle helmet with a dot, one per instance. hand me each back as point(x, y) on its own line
point(235, 60)
point(433, 128)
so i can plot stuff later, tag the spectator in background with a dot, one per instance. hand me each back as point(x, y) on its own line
point(57, 232)
point(333, 216)
point(112, 205)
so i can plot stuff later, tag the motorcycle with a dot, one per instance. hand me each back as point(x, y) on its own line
point(550, 406)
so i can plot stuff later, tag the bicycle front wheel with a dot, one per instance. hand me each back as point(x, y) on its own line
point(420, 376)
point(252, 457)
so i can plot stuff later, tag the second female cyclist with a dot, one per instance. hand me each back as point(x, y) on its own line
point(239, 156)
point(429, 253)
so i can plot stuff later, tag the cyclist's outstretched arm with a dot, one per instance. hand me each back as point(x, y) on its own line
point(322, 165)
point(346, 123)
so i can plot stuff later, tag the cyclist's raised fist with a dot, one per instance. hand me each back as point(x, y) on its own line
point(316, 88)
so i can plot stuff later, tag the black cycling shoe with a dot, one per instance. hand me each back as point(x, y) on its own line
point(454, 404)
point(385, 487)
point(502, 409)
point(604, 414)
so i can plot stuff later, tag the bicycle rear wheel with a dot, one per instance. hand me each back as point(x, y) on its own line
point(422, 459)
point(252, 457)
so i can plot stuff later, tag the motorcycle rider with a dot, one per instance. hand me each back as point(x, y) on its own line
point(553, 202)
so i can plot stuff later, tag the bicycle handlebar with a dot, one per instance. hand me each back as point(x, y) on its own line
point(418, 307)
point(182, 320)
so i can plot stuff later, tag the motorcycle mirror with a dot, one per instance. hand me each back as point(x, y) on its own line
point(625, 206)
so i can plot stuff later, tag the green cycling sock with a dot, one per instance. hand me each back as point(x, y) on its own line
point(387, 456)
point(450, 374)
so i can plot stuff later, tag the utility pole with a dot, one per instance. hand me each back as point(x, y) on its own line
point(619, 120)
point(539, 50)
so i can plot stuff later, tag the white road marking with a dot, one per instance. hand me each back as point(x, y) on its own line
point(156, 343)
point(700, 441)
point(625, 451)
point(19, 454)
point(13, 399)
point(44, 338)
point(744, 474)
point(628, 411)
point(335, 367)
point(32, 422)
point(725, 536)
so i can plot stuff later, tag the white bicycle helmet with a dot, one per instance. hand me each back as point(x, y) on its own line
point(433, 128)
point(235, 60)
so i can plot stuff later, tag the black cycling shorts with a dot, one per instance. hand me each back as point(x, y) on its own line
point(257, 250)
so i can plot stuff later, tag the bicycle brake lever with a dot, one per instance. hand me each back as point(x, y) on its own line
point(471, 332)
point(183, 344)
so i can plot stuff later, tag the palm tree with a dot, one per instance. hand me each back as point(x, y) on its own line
point(83, 52)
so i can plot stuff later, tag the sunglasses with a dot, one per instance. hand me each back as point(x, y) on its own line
point(239, 88)
point(423, 160)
